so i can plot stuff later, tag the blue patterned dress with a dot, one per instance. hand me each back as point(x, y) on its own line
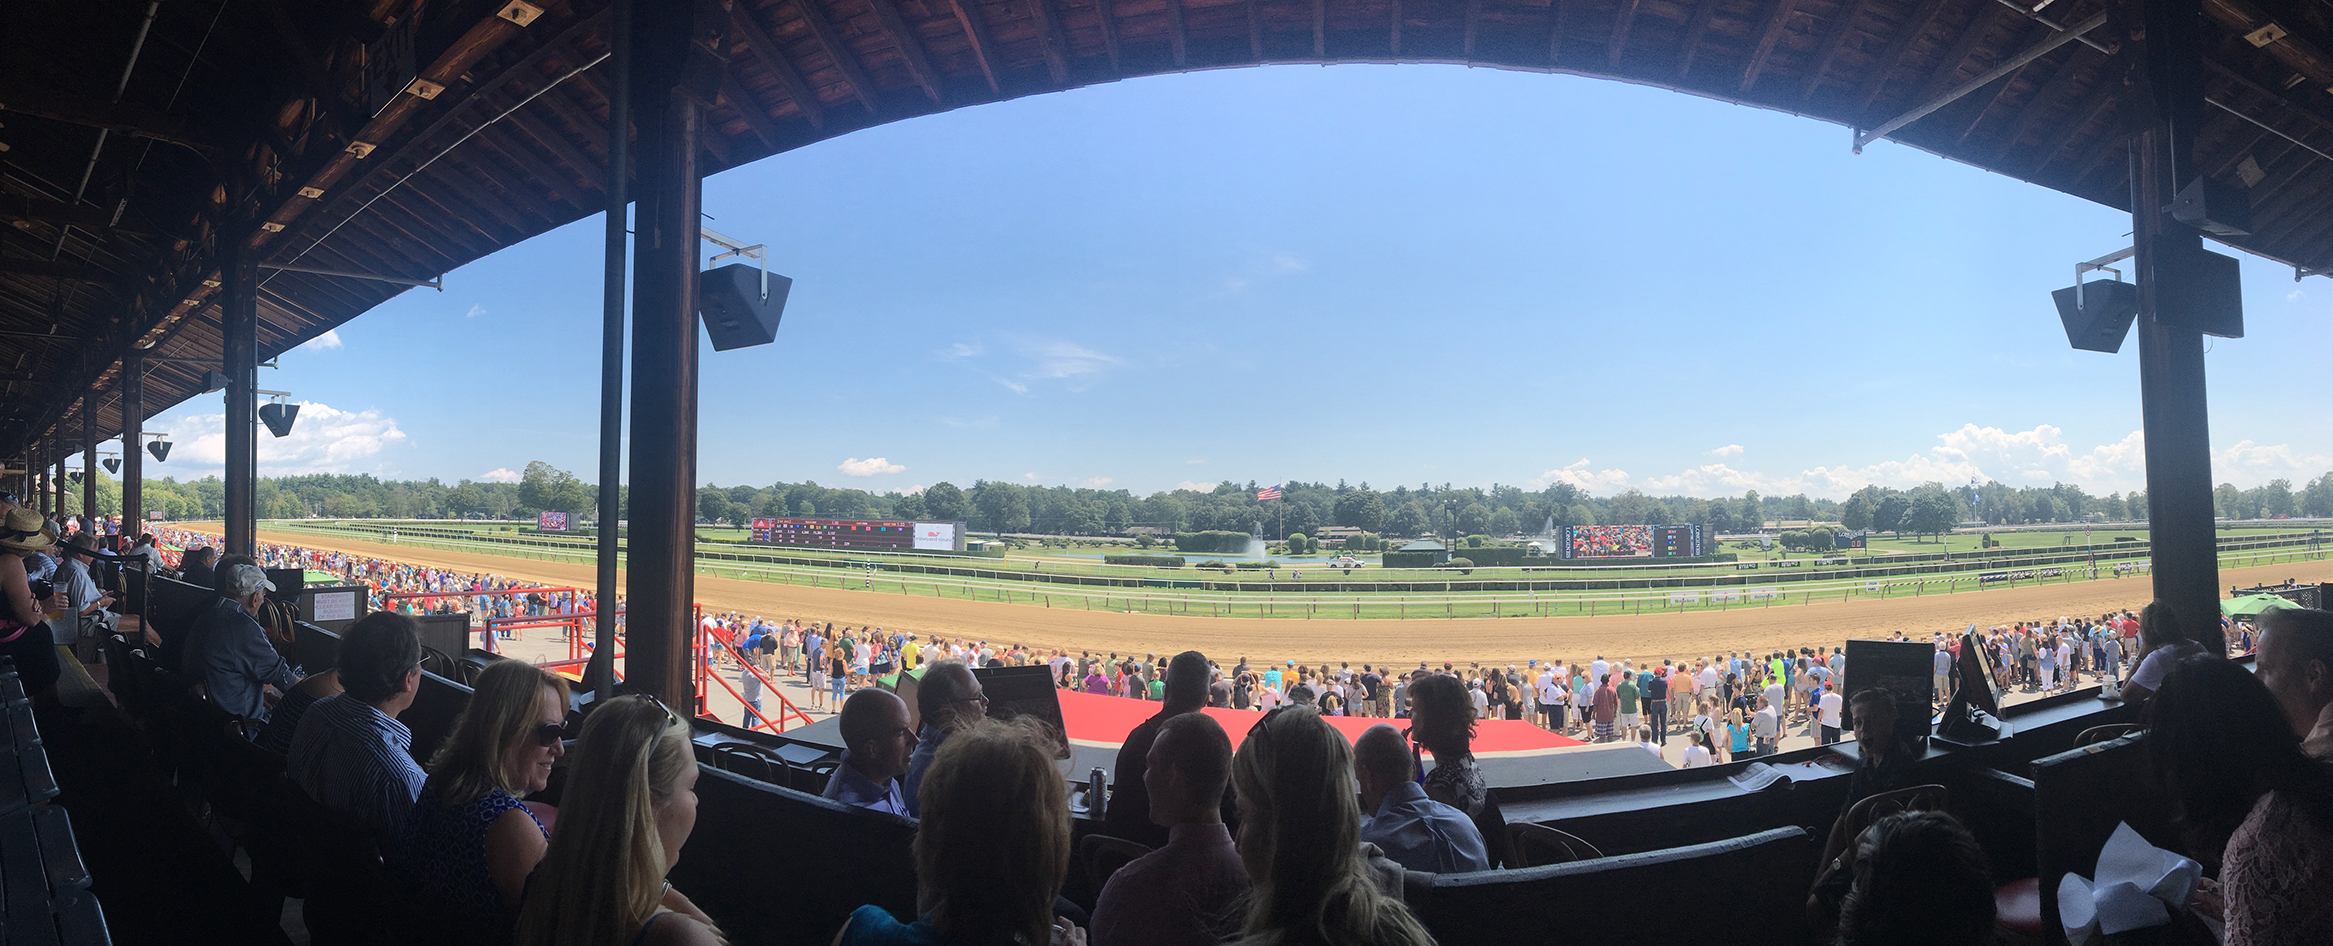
point(448, 860)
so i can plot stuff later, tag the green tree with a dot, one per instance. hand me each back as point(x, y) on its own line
point(945, 503)
point(1474, 518)
point(1361, 508)
point(1409, 519)
point(2317, 497)
point(1856, 513)
point(546, 488)
point(1505, 521)
point(1753, 511)
point(2276, 498)
point(1888, 514)
point(1932, 511)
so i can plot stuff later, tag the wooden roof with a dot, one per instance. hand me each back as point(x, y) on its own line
point(259, 111)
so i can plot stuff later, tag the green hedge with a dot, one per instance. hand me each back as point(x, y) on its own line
point(1162, 561)
point(1410, 559)
point(1220, 543)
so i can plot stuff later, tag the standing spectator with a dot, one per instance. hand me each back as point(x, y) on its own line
point(2296, 665)
point(877, 746)
point(624, 816)
point(1828, 707)
point(1188, 892)
point(749, 688)
point(1942, 672)
point(991, 847)
point(1607, 709)
point(1656, 701)
point(1300, 834)
point(474, 840)
point(1417, 832)
point(2249, 799)
point(1627, 692)
point(1766, 730)
point(1697, 752)
point(1128, 815)
point(350, 753)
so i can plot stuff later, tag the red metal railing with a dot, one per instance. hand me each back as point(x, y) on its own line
point(786, 710)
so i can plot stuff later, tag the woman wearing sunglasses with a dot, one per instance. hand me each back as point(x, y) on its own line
point(474, 841)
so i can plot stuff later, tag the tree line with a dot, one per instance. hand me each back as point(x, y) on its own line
point(1307, 508)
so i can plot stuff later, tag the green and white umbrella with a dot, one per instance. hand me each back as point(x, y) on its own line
point(2251, 605)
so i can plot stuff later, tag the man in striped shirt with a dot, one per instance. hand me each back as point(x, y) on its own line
point(350, 753)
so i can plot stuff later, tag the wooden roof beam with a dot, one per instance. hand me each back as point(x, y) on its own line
point(1833, 38)
point(797, 88)
point(2045, 101)
point(1555, 25)
point(756, 120)
point(42, 267)
point(121, 118)
point(1320, 28)
point(37, 210)
point(1777, 20)
point(2001, 87)
point(1905, 36)
point(1177, 38)
point(1056, 40)
point(2299, 49)
point(1696, 27)
point(1105, 12)
point(1621, 24)
point(2065, 135)
point(594, 173)
point(976, 33)
point(903, 38)
point(846, 62)
point(1256, 29)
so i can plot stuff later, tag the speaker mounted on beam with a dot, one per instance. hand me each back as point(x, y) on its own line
point(739, 312)
point(2097, 314)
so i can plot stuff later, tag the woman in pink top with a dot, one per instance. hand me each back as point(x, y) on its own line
point(2248, 799)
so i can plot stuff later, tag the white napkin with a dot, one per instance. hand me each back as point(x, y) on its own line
point(2138, 886)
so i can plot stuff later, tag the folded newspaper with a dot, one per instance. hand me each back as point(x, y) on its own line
point(1758, 776)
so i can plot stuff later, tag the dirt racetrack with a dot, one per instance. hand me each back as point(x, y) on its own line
point(1397, 642)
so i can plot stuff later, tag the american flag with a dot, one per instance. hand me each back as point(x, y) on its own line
point(1268, 493)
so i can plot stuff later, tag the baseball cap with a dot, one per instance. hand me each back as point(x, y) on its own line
point(242, 580)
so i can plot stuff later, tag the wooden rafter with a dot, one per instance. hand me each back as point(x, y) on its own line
point(1897, 48)
point(2057, 142)
point(1834, 37)
point(1320, 29)
point(1696, 27)
point(1395, 30)
point(2000, 87)
point(594, 173)
point(1948, 68)
point(1777, 20)
point(1105, 12)
point(756, 120)
point(2046, 100)
point(903, 38)
point(976, 33)
point(774, 59)
point(846, 62)
point(1056, 40)
point(1473, 21)
point(1555, 25)
point(1178, 40)
point(1621, 23)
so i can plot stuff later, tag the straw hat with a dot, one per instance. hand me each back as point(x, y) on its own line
point(26, 531)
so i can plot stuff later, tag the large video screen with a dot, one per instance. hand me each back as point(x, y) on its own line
point(860, 534)
point(1683, 541)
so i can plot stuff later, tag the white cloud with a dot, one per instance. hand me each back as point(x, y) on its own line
point(1729, 450)
point(1031, 477)
point(1013, 386)
point(1196, 461)
point(500, 474)
point(2036, 457)
point(970, 423)
point(2294, 296)
point(915, 490)
point(961, 350)
point(1064, 359)
point(1279, 262)
point(330, 339)
point(1097, 482)
point(1196, 486)
point(476, 310)
point(870, 466)
point(323, 440)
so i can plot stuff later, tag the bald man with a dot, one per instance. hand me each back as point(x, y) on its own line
point(2295, 663)
point(1415, 831)
point(1188, 892)
point(877, 744)
point(949, 698)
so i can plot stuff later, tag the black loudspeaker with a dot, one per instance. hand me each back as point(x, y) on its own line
point(112, 464)
point(160, 449)
point(2102, 319)
point(76, 477)
point(2215, 207)
point(736, 315)
point(278, 417)
point(214, 381)
point(2198, 289)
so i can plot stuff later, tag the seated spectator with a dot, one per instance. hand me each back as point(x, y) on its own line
point(89, 617)
point(2296, 665)
point(1415, 831)
point(1883, 761)
point(877, 744)
point(626, 810)
point(228, 652)
point(350, 753)
point(284, 720)
point(144, 554)
point(1300, 834)
point(24, 635)
point(1128, 814)
point(474, 841)
point(991, 848)
point(195, 567)
point(2250, 801)
point(1920, 880)
point(1442, 722)
point(2164, 640)
point(1188, 892)
point(949, 698)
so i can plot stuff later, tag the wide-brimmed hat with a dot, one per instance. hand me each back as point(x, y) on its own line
point(26, 531)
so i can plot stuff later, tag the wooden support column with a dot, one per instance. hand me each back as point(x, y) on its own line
point(660, 576)
point(57, 486)
point(239, 357)
point(89, 458)
point(133, 444)
point(2171, 374)
point(599, 675)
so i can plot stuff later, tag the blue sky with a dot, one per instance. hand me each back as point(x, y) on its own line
point(1377, 273)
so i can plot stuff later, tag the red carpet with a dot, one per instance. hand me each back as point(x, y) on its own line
point(1105, 720)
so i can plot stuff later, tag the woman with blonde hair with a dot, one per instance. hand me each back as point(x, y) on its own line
point(623, 817)
point(1300, 836)
point(474, 841)
point(991, 847)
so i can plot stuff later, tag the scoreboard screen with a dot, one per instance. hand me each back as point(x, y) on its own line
point(881, 534)
point(1683, 541)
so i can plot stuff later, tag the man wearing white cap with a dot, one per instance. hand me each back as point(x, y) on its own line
point(228, 651)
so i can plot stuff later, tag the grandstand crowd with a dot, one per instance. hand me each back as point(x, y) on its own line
point(1298, 836)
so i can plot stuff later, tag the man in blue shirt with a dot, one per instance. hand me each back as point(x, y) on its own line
point(878, 745)
point(1415, 831)
point(350, 753)
point(228, 651)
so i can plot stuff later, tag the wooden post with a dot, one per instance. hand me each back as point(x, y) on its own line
point(239, 355)
point(133, 444)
